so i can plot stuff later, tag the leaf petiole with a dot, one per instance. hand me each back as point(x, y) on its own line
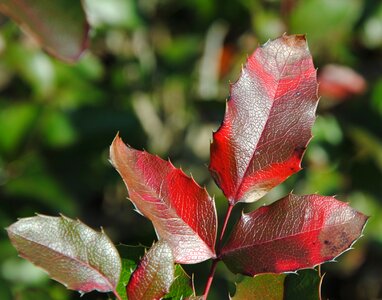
point(218, 248)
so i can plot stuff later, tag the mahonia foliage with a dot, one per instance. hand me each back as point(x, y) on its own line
point(63, 35)
point(261, 142)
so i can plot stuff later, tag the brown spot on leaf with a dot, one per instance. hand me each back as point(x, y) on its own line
point(297, 40)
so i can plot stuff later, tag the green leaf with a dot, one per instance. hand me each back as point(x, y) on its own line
point(16, 121)
point(59, 26)
point(128, 266)
point(154, 275)
point(306, 284)
point(266, 286)
point(72, 253)
point(182, 285)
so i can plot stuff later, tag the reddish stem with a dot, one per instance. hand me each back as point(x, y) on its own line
point(210, 278)
point(227, 215)
point(218, 248)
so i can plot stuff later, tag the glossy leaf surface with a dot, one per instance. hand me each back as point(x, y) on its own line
point(268, 120)
point(72, 253)
point(60, 27)
point(293, 233)
point(182, 212)
point(154, 275)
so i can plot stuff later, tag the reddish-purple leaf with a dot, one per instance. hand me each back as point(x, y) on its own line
point(60, 27)
point(182, 212)
point(72, 253)
point(154, 275)
point(293, 233)
point(268, 120)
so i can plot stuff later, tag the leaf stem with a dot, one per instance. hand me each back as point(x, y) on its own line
point(218, 249)
point(226, 218)
point(117, 296)
point(210, 278)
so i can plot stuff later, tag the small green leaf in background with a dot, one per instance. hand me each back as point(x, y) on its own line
point(182, 285)
point(154, 275)
point(16, 121)
point(266, 286)
point(72, 253)
point(59, 26)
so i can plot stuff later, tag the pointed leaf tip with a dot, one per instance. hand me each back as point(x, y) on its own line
point(154, 275)
point(268, 120)
point(178, 207)
point(71, 252)
point(296, 232)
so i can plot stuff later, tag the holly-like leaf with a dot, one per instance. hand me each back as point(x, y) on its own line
point(268, 120)
point(293, 233)
point(266, 286)
point(305, 285)
point(72, 253)
point(182, 212)
point(60, 27)
point(182, 285)
point(154, 275)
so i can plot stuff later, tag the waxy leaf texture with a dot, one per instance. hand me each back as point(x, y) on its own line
point(182, 212)
point(293, 233)
point(72, 253)
point(154, 275)
point(60, 27)
point(268, 120)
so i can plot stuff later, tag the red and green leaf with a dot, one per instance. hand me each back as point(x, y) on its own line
point(72, 253)
point(154, 275)
point(182, 212)
point(60, 27)
point(268, 120)
point(293, 233)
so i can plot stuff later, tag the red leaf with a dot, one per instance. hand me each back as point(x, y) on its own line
point(182, 212)
point(154, 275)
point(60, 27)
point(339, 82)
point(268, 120)
point(293, 233)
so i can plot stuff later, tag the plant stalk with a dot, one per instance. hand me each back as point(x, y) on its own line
point(218, 249)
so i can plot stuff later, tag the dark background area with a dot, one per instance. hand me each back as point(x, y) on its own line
point(158, 72)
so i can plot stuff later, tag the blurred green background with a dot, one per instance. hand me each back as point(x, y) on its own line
point(158, 71)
